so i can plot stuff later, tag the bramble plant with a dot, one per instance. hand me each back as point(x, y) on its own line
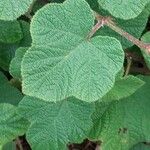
point(74, 71)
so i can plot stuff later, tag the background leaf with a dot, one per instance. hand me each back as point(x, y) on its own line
point(146, 38)
point(54, 125)
point(9, 146)
point(124, 9)
point(15, 65)
point(8, 93)
point(7, 52)
point(124, 87)
point(26, 41)
point(141, 146)
point(126, 123)
point(11, 125)
point(10, 31)
point(133, 26)
point(11, 10)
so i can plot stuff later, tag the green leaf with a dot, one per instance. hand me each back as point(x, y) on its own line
point(8, 93)
point(56, 1)
point(93, 4)
point(146, 39)
point(38, 5)
point(11, 125)
point(54, 125)
point(11, 10)
point(141, 146)
point(15, 65)
point(10, 31)
point(134, 26)
point(26, 41)
point(9, 146)
point(124, 87)
point(100, 109)
point(126, 123)
point(62, 62)
point(124, 9)
point(7, 52)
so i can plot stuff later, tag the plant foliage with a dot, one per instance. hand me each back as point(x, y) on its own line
point(71, 70)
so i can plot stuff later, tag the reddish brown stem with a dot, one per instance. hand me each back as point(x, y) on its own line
point(129, 63)
point(28, 13)
point(95, 28)
point(109, 22)
point(129, 37)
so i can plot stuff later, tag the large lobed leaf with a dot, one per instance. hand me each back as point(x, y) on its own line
point(62, 62)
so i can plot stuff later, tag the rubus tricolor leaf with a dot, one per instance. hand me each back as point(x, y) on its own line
point(69, 73)
point(69, 63)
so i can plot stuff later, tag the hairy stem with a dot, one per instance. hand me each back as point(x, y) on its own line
point(95, 28)
point(111, 24)
point(129, 63)
point(28, 13)
point(18, 142)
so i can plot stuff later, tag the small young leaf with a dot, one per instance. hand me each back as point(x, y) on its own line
point(15, 65)
point(64, 61)
point(54, 125)
point(11, 125)
point(146, 39)
point(124, 9)
point(11, 10)
point(10, 31)
point(8, 93)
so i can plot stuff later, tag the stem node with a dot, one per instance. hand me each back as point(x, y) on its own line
point(108, 21)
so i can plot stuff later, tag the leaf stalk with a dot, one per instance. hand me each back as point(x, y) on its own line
point(108, 21)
